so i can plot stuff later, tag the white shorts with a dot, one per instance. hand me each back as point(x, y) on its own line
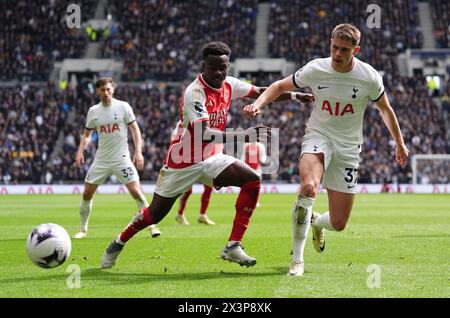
point(124, 170)
point(172, 182)
point(341, 169)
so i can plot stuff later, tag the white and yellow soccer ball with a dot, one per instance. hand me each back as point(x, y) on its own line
point(48, 245)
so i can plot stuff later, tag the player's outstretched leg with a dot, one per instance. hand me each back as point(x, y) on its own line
point(157, 210)
point(238, 174)
point(141, 202)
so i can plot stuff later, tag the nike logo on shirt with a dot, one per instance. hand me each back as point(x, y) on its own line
point(322, 87)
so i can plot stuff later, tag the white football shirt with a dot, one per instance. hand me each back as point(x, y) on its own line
point(340, 99)
point(111, 123)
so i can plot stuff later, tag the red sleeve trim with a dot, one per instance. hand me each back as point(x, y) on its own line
point(252, 89)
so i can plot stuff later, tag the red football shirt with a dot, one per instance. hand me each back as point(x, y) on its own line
point(202, 102)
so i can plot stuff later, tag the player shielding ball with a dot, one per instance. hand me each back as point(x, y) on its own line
point(197, 155)
point(342, 86)
point(111, 118)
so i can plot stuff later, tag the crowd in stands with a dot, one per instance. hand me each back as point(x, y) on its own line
point(160, 40)
point(31, 118)
point(440, 14)
point(301, 32)
point(34, 34)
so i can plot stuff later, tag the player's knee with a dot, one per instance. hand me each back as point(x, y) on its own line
point(87, 195)
point(309, 190)
point(254, 177)
point(253, 184)
point(338, 225)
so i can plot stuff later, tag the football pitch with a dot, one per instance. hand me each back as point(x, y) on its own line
point(394, 246)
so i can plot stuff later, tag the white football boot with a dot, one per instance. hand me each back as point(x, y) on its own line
point(318, 237)
point(296, 269)
point(235, 253)
point(203, 218)
point(154, 231)
point(80, 235)
point(110, 256)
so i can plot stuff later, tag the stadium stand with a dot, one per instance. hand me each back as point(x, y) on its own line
point(440, 13)
point(34, 35)
point(159, 40)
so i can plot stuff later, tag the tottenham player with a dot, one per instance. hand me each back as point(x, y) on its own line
point(111, 118)
point(181, 217)
point(342, 86)
point(197, 155)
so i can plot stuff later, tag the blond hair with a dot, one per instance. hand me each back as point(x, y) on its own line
point(347, 32)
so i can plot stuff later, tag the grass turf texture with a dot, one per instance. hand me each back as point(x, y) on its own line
point(407, 236)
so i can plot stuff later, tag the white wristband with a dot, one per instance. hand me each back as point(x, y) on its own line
point(294, 97)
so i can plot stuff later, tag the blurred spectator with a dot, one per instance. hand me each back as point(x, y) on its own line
point(159, 39)
point(34, 34)
point(440, 14)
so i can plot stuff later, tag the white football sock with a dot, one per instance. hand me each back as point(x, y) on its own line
point(301, 218)
point(85, 212)
point(231, 243)
point(323, 222)
point(118, 241)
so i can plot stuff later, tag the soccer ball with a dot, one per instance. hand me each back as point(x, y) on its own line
point(48, 245)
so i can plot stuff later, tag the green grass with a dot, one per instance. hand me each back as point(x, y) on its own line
point(407, 236)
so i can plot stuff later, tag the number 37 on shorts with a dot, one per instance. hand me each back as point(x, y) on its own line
point(351, 177)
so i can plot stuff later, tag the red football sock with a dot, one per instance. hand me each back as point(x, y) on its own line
point(183, 200)
point(205, 199)
point(245, 205)
point(140, 221)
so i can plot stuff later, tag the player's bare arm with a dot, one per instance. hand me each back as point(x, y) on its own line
point(298, 96)
point(275, 92)
point(391, 122)
point(79, 159)
point(138, 158)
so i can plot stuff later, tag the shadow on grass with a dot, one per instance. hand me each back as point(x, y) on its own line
point(422, 235)
point(116, 277)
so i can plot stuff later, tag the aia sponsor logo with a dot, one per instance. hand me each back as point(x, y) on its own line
point(337, 109)
point(107, 129)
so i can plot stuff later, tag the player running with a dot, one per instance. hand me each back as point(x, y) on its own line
point(197, 155)
point(342, 85)
point(111, 118)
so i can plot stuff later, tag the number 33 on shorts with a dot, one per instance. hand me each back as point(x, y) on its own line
point(127, 172)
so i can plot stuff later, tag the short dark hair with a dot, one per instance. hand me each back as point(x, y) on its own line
point(102, 81)
point(215, 48)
